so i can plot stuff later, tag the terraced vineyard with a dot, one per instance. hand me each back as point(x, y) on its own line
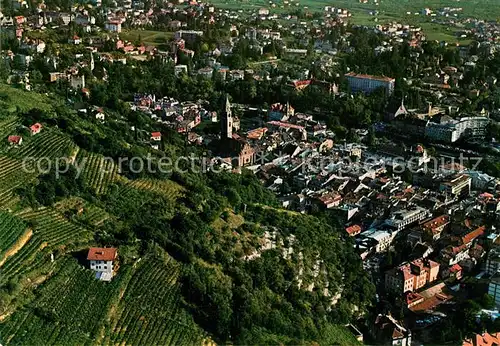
point(23, 260)
point(140, 306)
point(83, 211)
point(11, 228)
point(7, 128)
point(150, 312)
point(97, 171)
point(47, 144)
point(54, 228)
point(67, 310)
point(50, 229)
point(166, 188)
point(19, 166)
point(12, 176)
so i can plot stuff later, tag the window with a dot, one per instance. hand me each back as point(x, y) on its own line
point(105, 267)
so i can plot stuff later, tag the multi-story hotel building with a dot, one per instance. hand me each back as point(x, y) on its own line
point(368, 83)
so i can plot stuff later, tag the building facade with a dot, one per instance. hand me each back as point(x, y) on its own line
point(102, 259)
point(412, 276)
point(458, 185)
point(405, 217)
point(368, 83)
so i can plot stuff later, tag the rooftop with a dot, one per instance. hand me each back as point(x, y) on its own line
point(367, 76)
point(102, 254)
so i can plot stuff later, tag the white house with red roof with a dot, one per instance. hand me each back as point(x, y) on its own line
point(15, 140)
point(156, 136)
point(75, 40)
point(35, 129)
point(102, 261)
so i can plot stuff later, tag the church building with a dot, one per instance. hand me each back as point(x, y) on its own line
point(232, 148)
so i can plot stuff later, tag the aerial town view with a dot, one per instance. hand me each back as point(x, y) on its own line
point(249, 172)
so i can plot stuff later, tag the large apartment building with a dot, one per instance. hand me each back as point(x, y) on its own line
point(402, 218)
point(451, 130)
point(411, 276)
point(457, 185)
point(368, 83)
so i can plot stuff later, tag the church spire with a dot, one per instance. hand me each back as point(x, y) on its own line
point(227, 121)
point(228, 105)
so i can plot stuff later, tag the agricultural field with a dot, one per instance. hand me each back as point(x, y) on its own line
point(53, 227)
point(152, 316)
point(73, 308)
point(98, 172)
point(48, 229)
point(17, 100)
point(167, 188)
point(12, 176)
point(22, 164)
point(11, 229)
point(82, 211)
point(487, 9)
point(68, 309)
point(7, 127)
point(388, 10)
point(49, 144)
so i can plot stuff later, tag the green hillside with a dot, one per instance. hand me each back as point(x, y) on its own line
point(192, 268)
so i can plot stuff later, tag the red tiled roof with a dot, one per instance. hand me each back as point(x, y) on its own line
point(36, 127)
point(14, 139)
point(287, 125)
point(485, 339)
point(257, 133)
point(354, 229)
point(155, 134)
point(102, 254)
point(412, 297)
point(473, 235)
point(367, 76)
point(455, 268)
point(301, 83)
point(435, 223)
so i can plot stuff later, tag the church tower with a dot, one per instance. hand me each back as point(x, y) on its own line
point(227, 121)
point(92, 64)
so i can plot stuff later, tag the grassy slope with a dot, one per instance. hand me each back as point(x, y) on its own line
point(148, 37)
point(12, 99)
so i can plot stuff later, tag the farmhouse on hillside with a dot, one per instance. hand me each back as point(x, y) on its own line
point(15, 140)
point(35, 128)
point(102, 261)
point(156, 136)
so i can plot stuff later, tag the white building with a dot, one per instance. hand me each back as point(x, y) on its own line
point(404, 217)
point(180, 69)
point(102, 261)
point(77, 82)
point(383, 239)
point(367, 83)
point(451, 130)
point(114, 26)
point(456, 185)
